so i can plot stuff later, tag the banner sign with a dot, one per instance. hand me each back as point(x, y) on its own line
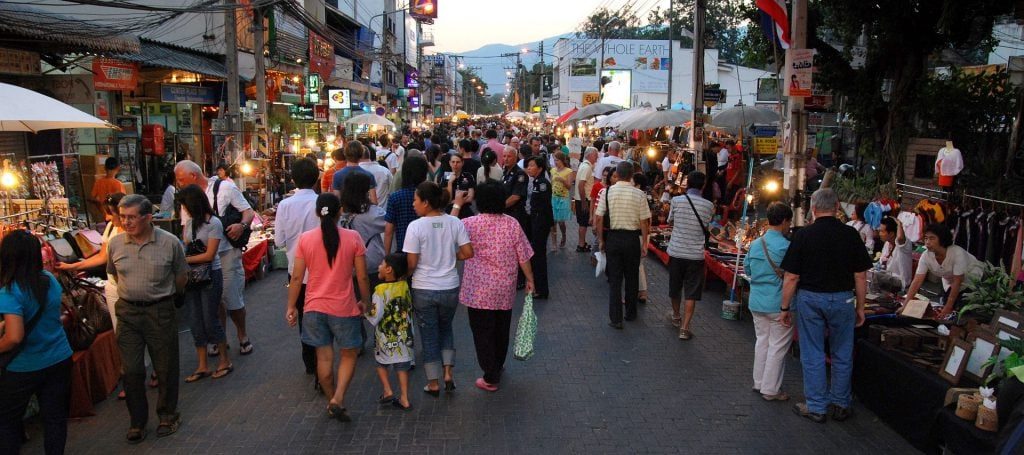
point(414, 102)
point(338, 99)
point(590, 98)
point(110, 74)
point(412, 79)
point(648, 61)
point(321, 56)
point(438, 98)
point(189, 94)
point(19, 62)
point(766, 145)
point(799, 69)
point(321, 113)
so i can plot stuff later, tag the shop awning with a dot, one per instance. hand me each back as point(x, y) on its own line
point(73, 35)
point(170, 57)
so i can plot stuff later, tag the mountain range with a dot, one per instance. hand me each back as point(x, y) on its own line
point(492, 65)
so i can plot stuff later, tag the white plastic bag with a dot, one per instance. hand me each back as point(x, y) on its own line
point(602, 261)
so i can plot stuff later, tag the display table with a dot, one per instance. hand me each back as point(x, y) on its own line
point(724, 271)
point(94, 374)
point(906, 397)
point(661, 255)
point(253, 255)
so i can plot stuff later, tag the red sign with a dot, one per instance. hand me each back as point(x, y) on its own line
point(113, 74)
point(321, 113)
point(321, 56)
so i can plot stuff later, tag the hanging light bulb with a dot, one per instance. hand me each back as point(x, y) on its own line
point(8, 180)
point(246, 168)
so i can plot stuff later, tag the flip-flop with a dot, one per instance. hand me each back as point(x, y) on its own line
point(386, 399)
point(227, 370)
point(338, 413)
point(167, 428)
point(135, 435)
point(398, 404)
point(245, 348)
point(199, 375)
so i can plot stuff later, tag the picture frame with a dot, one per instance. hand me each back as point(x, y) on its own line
point(984, 345)
point(1003, 332)
point(955, 362)
point(1008, 319)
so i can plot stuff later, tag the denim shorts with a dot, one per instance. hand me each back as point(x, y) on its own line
point(400, 366)
point(320, 329)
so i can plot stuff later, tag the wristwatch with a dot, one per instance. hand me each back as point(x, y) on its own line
point(783, 309)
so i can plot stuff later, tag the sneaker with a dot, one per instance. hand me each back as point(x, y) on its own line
point(685, 334)
point(676, 322)
point(839, 413)
point(781, 396)
point(801, 410)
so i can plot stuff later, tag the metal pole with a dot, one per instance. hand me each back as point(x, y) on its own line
point(231, 62)
point(540, 83)
point(697, 130)
point(671, 60)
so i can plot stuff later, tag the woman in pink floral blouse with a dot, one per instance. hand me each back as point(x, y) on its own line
point(489, 279)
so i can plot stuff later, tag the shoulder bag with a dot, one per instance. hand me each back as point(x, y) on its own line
point(775, 267)
point(63, 250)
point(9, 356)
point(89, 299)
point(198, 274)
point(707, 235)
point(230, 216)
point(77, 327)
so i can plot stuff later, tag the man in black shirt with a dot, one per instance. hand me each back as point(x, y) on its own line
point(514, 181)
point(827, 262)
point(467, 149)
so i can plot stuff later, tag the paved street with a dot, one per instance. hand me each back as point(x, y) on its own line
point(589, 389)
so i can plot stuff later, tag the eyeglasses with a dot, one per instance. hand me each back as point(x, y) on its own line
point(132, 219)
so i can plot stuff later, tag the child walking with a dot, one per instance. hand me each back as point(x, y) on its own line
point(389, 313)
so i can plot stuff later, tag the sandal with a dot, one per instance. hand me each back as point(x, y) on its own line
point(245, 347)
point(338, 413)
point(227, 370)
point(398, 404)
point(386, 399)
point(168, 428)
point(685, 334)
point(199, 375)
point(135, 435)
point(433, 393)
point(781, 396)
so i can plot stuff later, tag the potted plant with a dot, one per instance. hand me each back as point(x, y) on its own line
point(990, 292)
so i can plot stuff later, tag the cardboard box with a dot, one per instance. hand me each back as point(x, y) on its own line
point(91, 165)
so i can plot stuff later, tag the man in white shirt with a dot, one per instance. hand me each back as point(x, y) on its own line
point(223, 195)
point(611, 159)
point(381, 176)
point(897, 253)
point(389, 153)
point(581, 197)
point(295, 215)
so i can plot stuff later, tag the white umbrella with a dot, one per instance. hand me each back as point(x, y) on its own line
point(515, 114)
point(25, 110)
point(370, 119)
point(593, 110)
point(740, 117)
point(656, 119)
point(616, 119)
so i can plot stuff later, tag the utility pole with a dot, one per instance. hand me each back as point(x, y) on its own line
point(263, 138)
point(520, 82)
point(231, 61)
point(671, 60)
point(540, 83)
point(697, 142)
point(796, 172)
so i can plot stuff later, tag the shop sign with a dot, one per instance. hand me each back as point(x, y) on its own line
point(765, 130)
point(189, 94)
point(321, 113)
point(591, 98)
point(110, 74)
point(321, 56)
point(414, 102)
point(299, 112)
point(338, 99)
point(799, 70)
point(380, 110)
point(412, 79)
point(286, 89)
point(438, 98)
point(313, 88)
point(19, 62)
point(766, 145)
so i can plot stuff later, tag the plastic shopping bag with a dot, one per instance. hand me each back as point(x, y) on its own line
point(525, 332)
point(602, 261)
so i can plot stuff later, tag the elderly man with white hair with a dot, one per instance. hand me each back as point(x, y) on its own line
point(613, 157)
point(827, 262)
point(581, 197)
point(225, 197)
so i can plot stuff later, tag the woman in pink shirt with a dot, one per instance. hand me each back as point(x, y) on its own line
point(331, 314)
point(489, 279)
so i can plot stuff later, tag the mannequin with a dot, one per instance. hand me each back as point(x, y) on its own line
point(948, 165)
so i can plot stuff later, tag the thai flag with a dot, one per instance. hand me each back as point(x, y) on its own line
point(773, 13)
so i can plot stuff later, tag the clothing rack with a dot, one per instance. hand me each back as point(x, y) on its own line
point(1015, 204)
point(919, 188)
point(53, 155)
point(15, 215)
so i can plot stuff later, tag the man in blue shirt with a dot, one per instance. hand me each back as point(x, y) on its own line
point(773, 337)
point(353, 153)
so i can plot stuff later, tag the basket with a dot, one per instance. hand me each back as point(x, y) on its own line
point(988, 419)
point(967, 406)
point(730, 310)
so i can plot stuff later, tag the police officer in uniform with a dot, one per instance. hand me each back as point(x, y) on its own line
point(514, 181)
point(541, 219)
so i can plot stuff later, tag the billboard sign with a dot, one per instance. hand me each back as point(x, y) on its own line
point(647, 60)
point(799, 70)
point(338, 99)
point(617, 87)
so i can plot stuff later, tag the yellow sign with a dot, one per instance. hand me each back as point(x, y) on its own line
point(766, 145)
point(591, 98)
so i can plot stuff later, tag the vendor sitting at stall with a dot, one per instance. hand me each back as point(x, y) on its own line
point(950, 262)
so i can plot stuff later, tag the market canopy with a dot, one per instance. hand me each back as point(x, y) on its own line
point(616, 119)
point(562, 118)
point(28, 111)
point(370, 119)
point(515, 114)
point(741, 117)
point(461, 114)
point(656, 119)
point(593, 110)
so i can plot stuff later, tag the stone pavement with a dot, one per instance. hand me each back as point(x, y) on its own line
point(589, 389)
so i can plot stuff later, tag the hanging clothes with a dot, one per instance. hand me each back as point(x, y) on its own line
point(997, 233)
point(1010, 239)
point(912, 225)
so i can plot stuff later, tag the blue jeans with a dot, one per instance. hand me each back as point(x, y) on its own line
point(434, 313)
point(204, 305)
point(816, 312)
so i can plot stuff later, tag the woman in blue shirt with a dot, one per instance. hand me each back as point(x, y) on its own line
point(773, 337)
point(42, 365)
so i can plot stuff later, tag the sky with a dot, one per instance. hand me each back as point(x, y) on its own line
point(465, 25)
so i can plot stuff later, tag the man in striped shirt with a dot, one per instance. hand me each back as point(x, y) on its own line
point(689, 216)
point(623, 240)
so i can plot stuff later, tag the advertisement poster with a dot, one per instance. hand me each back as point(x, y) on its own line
point(110, 74)
point(647, 60)
point(616, 87)
point(321, 56)
point(799, 69)
point(766, 145)
point(591, 98)
point(338, 99)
